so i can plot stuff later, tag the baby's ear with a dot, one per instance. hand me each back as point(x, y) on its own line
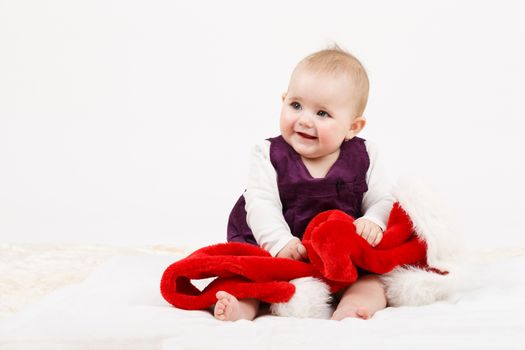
point(357, 125)
point(284, 96)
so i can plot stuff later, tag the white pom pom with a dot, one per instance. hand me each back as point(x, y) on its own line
point(311, 299)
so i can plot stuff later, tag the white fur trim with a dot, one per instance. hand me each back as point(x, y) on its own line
point(311, 299)
point(432, 222)
point(445, 247)
point(409, 286)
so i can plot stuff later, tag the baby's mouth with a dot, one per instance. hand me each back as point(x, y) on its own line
point(306, 136)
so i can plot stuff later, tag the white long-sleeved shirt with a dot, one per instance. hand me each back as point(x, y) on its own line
point(264, 208)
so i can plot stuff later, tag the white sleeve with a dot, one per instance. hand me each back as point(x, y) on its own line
point(263, 205)
point(378, 200)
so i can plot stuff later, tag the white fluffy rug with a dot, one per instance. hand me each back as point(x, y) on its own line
point(118, 306)
point(30, 271)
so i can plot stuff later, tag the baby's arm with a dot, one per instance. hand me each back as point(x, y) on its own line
point(264, 209)
point(377, 201)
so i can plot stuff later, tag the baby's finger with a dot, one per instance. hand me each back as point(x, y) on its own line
point(301, 250)
point(371, 238)
point(367, 230)
point(358, 227)
point(373, 235)
point(296, 255)
point(378, 238)
point(285, 253)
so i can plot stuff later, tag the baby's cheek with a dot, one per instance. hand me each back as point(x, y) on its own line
point(286, 125)
point(329, 136)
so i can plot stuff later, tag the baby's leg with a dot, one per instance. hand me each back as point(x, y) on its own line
point(228, 308)
point(362, 299)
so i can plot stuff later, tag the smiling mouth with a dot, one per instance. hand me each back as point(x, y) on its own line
point(306, 136)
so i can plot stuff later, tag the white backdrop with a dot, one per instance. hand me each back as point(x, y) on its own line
point(131, 122)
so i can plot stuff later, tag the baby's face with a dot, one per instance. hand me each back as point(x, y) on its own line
point(318, 112)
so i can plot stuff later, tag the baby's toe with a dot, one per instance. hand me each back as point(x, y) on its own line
point(219, 310)
point(363, 313)
point(221, 295)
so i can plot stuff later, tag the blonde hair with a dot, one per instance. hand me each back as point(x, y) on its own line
point(336, 60)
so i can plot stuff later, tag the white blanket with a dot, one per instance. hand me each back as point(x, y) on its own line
point(119, 307)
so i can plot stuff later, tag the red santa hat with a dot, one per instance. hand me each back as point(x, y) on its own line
point(414, 259)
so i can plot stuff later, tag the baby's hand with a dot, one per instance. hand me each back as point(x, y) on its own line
point(293, 250)
point(369, 231)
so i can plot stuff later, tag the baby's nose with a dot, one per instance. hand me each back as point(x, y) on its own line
point(305, 119)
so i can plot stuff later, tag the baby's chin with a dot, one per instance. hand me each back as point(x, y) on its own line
point(312, 152)
point(306, 148)
point(306, 151)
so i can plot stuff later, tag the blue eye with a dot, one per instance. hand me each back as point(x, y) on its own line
point(323, 114)
point(295, 105)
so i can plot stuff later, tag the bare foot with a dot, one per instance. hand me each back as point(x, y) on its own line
point(362, 299)
point(351, 311)
point(227, 307)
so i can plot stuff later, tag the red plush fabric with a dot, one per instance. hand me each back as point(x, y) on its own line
point(335, 251)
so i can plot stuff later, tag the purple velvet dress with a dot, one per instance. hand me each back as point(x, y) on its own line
point(303, 196)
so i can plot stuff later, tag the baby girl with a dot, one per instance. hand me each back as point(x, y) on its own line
point(316, 164)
